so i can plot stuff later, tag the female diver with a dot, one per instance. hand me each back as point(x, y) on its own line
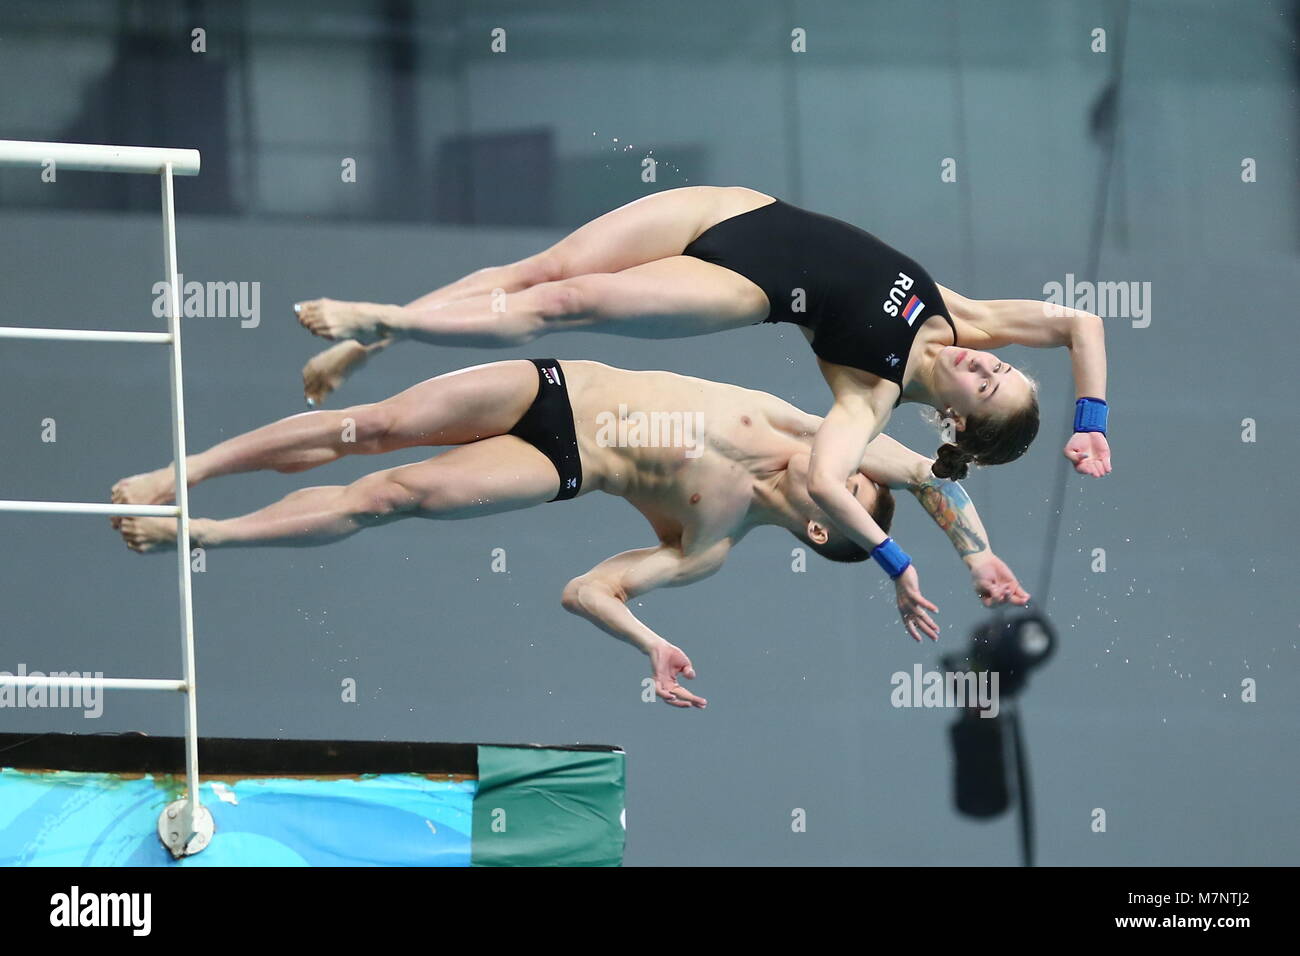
point(700, 259)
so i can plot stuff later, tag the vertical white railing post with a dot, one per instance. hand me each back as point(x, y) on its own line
point(191, 811)
point(185, 826)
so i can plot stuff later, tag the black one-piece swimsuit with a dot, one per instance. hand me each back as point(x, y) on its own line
point(863, 300)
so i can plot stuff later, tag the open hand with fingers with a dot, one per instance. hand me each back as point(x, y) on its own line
point(994, 581)
point(1090, 453)
point(667, 663)
point(913, 605)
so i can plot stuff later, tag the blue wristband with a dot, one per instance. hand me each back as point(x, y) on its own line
point(891, 557)
point(1090, 415)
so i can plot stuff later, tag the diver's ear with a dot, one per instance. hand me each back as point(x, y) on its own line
point(958, 420)
point(817, 533)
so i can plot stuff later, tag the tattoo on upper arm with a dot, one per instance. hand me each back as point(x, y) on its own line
point(945, 501)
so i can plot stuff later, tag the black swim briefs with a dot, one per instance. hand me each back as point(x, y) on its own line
point(548, 426)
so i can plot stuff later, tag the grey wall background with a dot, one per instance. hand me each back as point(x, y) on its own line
point(1139, 713)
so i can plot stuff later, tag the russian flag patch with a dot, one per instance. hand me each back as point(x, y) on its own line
point(913, 308)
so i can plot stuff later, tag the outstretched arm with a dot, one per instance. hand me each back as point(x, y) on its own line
point(890, 462)
point(1042, 325)
point(837, 453)
point(601, 596)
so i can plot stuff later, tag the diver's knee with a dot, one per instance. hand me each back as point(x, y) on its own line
point(375, 499)
point(371, 425)
point(562, 299)
point(547, 266)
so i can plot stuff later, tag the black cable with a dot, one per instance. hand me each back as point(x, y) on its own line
point(966, 212)
point(1024, 795)
point(790, 117)
point(1105, 124)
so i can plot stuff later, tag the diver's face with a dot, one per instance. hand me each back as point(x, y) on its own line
point(972, 382)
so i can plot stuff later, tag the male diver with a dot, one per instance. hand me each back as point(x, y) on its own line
point(704, 462)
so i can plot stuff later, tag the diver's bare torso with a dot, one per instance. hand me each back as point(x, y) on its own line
point(695, 470)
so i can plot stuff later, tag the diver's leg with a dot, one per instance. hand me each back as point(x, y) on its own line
point(498, 474)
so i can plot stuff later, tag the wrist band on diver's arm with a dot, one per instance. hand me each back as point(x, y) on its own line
point(1090, 415)
point(891, 557)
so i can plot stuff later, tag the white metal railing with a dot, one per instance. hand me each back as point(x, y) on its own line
point(78, 508)
point(99, 159)
point(83, 335)
point(185, 826)
point(105, 683)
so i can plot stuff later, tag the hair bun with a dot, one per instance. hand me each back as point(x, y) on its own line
point(951, 462)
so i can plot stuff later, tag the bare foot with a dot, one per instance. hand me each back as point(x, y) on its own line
point(144, 535)
point(151, 488)
point(331, 319)
point(327, 370)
